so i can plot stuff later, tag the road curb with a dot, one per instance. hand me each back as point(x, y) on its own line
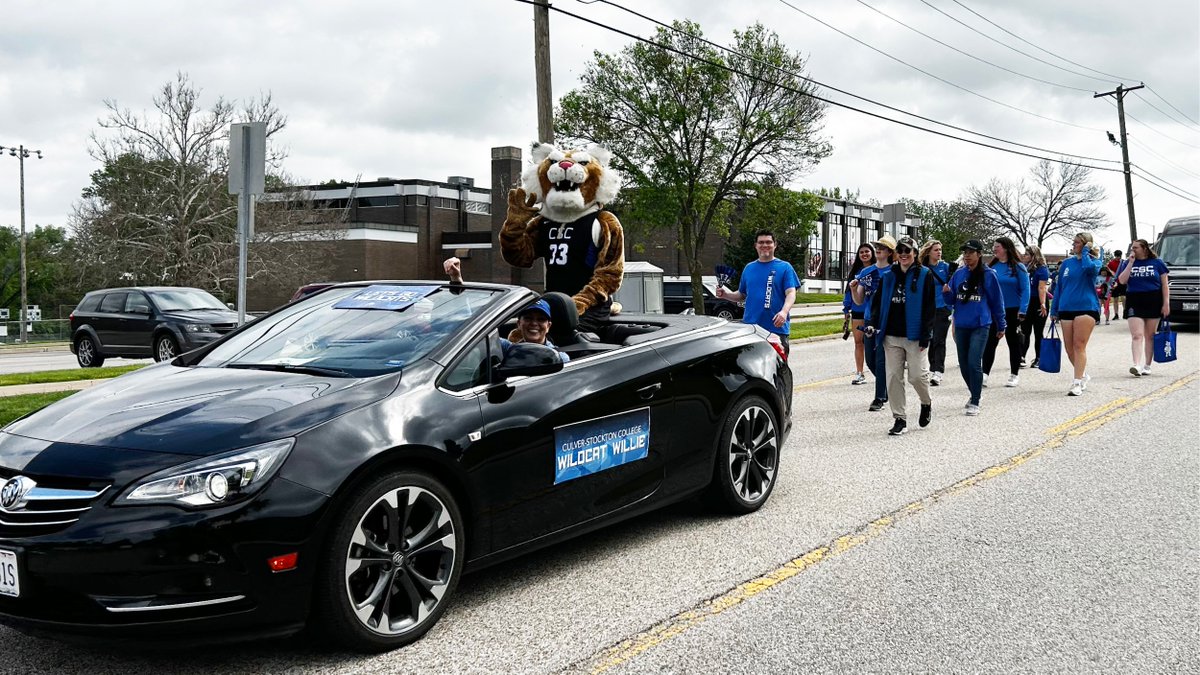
point(48, 387)
point(34, 349)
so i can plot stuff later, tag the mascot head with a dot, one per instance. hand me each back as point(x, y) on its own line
point(570, 183)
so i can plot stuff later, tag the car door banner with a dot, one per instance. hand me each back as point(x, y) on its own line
point(385, 297)
point(590, 447)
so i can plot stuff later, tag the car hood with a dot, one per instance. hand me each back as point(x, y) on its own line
point(199, 411)
point(203, 316)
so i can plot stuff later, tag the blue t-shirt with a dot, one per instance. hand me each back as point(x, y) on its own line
point(1014, 284)
point(765, 286)
point(1146, 275)
point(941, 272)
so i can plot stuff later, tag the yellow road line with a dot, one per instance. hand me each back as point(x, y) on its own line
point(818, 383)
point(678, 624)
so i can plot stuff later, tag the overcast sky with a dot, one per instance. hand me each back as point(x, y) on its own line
point(423, 89)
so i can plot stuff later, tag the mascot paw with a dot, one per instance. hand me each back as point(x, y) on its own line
point(580, 307)
point(616, 308)
point(521, 205)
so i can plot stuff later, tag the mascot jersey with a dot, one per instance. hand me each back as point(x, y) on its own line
point(570, 257)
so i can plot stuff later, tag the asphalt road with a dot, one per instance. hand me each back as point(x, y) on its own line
point(1049, 533)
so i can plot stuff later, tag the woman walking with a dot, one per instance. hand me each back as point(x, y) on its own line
point(1035, 315)
point(1014, 286)
point(854, 312)
point(905, 307)
point(862, 289)
point(975, 298)
point(1147, 299)
point(1076, 307)
point(1104, 291)
point(931, 258)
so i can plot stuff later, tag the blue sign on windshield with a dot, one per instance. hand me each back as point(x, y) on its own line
point(385, 297)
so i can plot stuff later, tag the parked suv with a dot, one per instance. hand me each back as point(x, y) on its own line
point(677, 298)
point(161, 322)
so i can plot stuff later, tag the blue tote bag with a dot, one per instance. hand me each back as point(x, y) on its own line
point(1051, 359)
point(1164, 343)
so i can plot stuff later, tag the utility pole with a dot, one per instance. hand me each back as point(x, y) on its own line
point(541, 59)
point(1119, 94)
point(21, 153)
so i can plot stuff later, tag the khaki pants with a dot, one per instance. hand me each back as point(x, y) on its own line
point(898, 351)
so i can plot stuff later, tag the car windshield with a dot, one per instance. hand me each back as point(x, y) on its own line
point(185, 299)
point(1181, 250)
point(351, 332)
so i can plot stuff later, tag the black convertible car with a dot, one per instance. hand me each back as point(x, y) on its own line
point(341, 461)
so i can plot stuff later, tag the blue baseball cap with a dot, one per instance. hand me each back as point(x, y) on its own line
point(538, 306)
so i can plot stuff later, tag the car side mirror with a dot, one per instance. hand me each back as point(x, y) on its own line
point(524, 358)
point(230, 305)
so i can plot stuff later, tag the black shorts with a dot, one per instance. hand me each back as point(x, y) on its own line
point(1145, 305)
point(1066, 315)
point(1119, 291)
point(857, 316)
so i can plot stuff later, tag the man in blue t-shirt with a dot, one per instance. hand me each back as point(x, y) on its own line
point(768, 286)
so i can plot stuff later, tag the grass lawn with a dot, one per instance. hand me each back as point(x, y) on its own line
point(12, 407)
point(818, 297)
point(71, 375)
point(805, 329)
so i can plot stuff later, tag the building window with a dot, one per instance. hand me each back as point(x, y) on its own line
point(834, 265)
point(444, 203)
point(416, 200)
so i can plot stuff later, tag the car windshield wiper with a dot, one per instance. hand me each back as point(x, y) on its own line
point(290, 368)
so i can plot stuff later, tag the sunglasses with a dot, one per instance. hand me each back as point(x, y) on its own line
point(903, 249)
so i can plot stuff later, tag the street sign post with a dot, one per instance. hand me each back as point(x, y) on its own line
point(247, 178)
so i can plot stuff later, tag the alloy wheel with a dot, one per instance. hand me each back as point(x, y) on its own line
point(753, 454)
point(166, 349)
point(85, 351)
point(400, 560)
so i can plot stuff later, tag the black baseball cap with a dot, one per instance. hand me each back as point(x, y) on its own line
point(971, 245)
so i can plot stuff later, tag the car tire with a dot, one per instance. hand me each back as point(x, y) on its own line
point(87, 352)
point(747, 458)
point(165, 347)
point(726, 313)
point(370, 566)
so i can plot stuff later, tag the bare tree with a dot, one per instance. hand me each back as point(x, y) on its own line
point(1059, 199)
point(159, 212)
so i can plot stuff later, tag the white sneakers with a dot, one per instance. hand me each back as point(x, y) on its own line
point(1076, 388)
point(985, 376)
point(1146, 369)
point(935, 377)
point(971, 410)
point(1086, 378)
point(1013, 380)
point(859, 378)
point(1135, 370)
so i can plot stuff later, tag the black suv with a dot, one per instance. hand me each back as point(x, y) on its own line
point(162, 322)
point(677, 298)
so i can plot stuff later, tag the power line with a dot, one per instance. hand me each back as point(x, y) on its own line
point(1062, 58)
point(1145, 100)
point(969, 55)
point(1151, 150)
point(838, 104)
point(1172, 106)
point(1150, 128)
point(1188, 199)
point(940, 79)
point(856, 96)
point(1163, 180)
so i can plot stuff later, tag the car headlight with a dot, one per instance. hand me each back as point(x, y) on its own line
point(197, 328)
point(212, 481)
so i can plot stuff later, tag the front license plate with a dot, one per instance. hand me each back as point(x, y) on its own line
point(1191, 306)
point(10, 580)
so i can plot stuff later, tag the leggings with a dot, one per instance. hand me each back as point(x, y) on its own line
point(937, 346)
point(1032, 330)
point(1012, 337)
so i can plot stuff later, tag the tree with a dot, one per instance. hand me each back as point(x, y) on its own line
point(46, 265)
point(1057, 200)
point(158, 210)
point(792, 216)
point(689, 131)
point(950, 222)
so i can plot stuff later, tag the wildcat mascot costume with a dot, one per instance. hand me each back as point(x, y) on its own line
point(557, 214)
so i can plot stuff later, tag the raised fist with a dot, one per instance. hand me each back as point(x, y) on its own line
point(453, 267)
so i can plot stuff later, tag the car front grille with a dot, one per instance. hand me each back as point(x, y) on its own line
point(223, 328)
point(43, 509)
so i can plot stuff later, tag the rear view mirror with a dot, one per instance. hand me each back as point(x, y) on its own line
point(525, 358)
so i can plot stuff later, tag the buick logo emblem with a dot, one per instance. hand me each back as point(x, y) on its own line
point(12, 495)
